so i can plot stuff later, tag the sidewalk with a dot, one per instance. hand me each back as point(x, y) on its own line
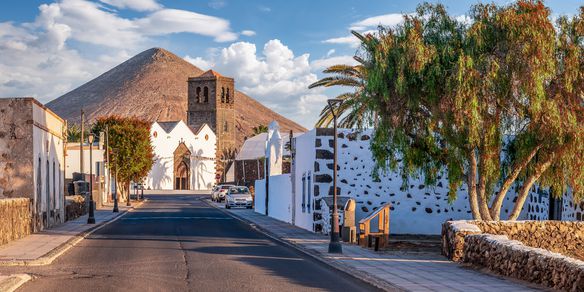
point(43, 247)
point(390, 271)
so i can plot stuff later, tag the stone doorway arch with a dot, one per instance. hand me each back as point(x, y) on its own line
point(182, 167)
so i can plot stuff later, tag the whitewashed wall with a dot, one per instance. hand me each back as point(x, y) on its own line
point(73, 162)
point(303, 165)
point(280, 200)
point(416, 209)
point(161, 176)
point(48, 149)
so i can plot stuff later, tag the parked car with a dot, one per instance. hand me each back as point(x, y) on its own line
point(219, 192)
point(238, 197)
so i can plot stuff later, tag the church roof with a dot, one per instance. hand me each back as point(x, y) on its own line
point(210, 73)
point(168, 126)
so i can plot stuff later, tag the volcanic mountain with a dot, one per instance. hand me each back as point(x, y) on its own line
point(153, 85)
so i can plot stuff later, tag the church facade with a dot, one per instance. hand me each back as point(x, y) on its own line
point(184, 157)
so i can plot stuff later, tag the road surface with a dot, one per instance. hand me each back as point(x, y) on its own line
point(179, 243)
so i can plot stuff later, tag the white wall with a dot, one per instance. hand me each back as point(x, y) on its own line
point(73, 161)
point(260, 196)
point(280, 197)
point(416, 209)
point(48, 148)
point(161, 177)
point(303, 165)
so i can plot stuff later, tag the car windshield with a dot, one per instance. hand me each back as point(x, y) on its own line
point(238, 190)
point(226, 187)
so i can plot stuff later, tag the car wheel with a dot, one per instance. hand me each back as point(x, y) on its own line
point(227, 207)
point(249, 207)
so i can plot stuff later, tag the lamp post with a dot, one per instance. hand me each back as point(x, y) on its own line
point(335, 244)
point(116, 209)
point(91, 218)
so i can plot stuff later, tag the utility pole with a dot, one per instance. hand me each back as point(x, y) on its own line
point(335, 244)
point(109, 182)
point(81, 145)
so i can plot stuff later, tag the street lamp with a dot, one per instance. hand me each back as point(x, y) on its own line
point(116, 209)
point(335, 244)
point(91, 218)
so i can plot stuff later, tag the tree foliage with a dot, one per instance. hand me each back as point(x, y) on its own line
point(354, 111)
point(131, 152)
point(495, 102)
point(260, 129)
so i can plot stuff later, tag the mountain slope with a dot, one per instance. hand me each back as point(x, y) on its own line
point(153, 85)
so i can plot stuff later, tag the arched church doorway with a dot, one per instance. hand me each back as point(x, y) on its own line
point(182, 167)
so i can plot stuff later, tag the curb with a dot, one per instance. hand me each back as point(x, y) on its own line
point(50, 256)
point(364, 277)
point(13, 282)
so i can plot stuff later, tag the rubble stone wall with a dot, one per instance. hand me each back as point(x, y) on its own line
point(514, 259)
point(15, 219)
point(75, 207)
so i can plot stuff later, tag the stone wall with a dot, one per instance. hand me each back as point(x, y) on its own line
point(15, 219)
point(565, 237)
point(75, 207)
point(513, 259)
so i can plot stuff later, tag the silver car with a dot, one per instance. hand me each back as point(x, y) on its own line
point(238, 197)
point(219, 192)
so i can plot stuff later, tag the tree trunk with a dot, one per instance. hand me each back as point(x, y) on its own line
point(472, 190)
point(481, 189)
point(524, 192)
point(498, 202)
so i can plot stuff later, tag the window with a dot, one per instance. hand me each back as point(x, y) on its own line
point(206, 94)
point(309, 191)
point(227, 96)
point(303, 193)
point(225, 127)
point(222, 94)
point(198, 95)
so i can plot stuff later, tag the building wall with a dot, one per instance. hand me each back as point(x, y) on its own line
point(48, 150)
point(72, 159)
point(303, 166)
point(16, 153)
point(161, 177)
point(31, 158)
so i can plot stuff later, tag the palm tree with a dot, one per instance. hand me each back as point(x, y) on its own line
point(355, 110)
point(260, 129)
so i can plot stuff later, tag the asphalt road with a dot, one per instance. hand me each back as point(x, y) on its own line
point(179, 243)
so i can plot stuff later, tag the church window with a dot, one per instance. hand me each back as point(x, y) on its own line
point(228, 95)
point(198, 94)
point(222, 94)
point(206, 94)
point(225, 127)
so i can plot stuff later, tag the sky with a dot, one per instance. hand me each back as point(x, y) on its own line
point(273, 49)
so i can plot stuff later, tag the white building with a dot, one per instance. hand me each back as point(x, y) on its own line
point(184, 158)
point(98, 169)
point(31, 158)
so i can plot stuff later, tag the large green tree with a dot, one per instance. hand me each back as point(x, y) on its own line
point(494, 103)
point(131, 152)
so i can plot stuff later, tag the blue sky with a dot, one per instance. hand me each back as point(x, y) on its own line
point(274, 49)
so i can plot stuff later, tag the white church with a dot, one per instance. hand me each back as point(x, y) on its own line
point(184, 157)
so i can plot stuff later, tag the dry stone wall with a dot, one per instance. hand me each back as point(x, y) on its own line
point(513, 259)
point(15, 219)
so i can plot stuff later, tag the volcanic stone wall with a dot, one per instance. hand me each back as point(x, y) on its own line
point(15, 219)
point(416, 208)
point(514, 259)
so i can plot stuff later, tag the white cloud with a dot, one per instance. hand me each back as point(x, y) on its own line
point(167, 21)
point(200, 62)
point(330, 52)
point(248, 32)
point(264, 8)
point(311, 104)
point(138, 5)
point(348, 40)
point(391, 19)
point(321, 64)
